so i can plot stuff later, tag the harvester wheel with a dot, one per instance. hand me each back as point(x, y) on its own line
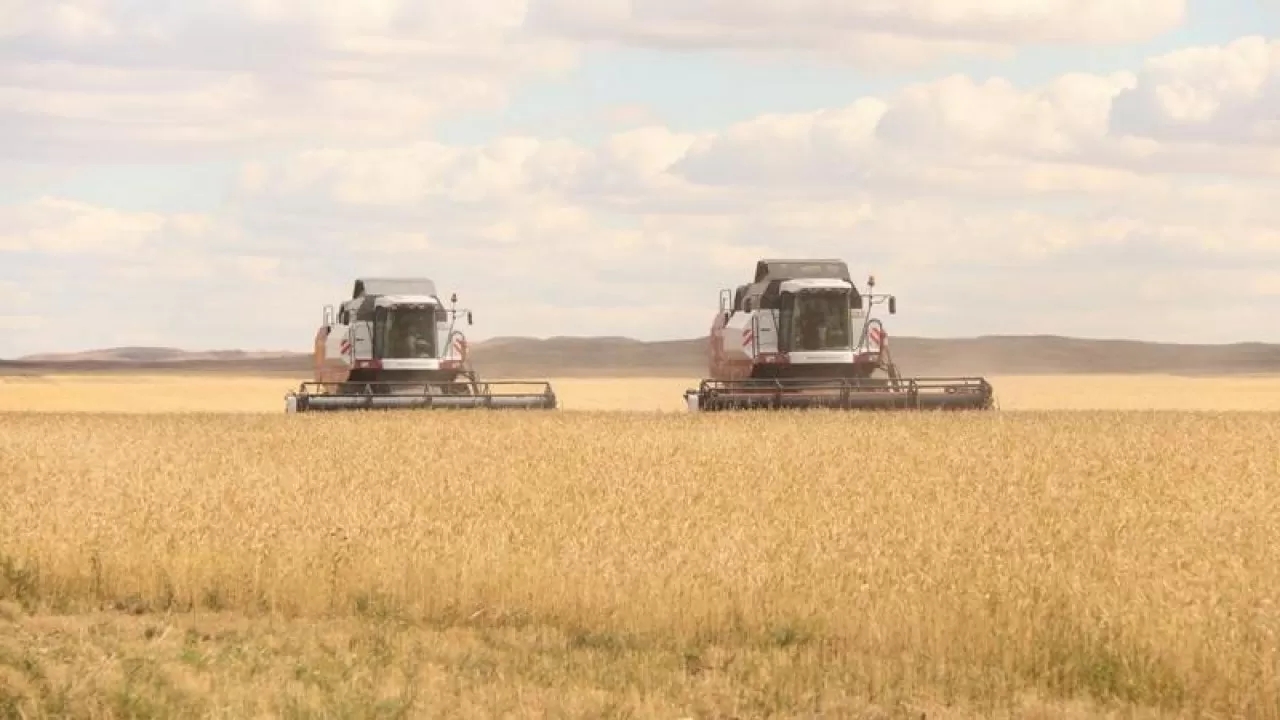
point(462, 384)
point(457, 388)
point(895, 379)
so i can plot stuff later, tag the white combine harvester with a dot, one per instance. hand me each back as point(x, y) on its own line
point(394, 345)
point(800, 335)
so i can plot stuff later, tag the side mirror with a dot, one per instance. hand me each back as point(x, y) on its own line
point(893, 305)
point(469, 320)
point(855, 301)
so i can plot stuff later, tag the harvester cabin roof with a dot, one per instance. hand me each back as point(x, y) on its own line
point(767, 294)
point(832, 269)
point(392, 286)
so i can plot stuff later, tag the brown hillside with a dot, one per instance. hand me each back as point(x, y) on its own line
point(562, 356)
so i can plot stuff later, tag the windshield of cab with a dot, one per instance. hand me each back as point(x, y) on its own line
point(409, 333)
point(820, 321)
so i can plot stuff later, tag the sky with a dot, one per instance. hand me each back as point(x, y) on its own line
point(210, 174)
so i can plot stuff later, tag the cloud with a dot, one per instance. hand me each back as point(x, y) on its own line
point(986, 206)
point(86, 81)
point(875, 31)
point(1228, 95)
point(625, 166)
point(19, 322)
point(76, 276)
point(952, 137)
point(12, 296)
point(111, 79)
point(959, 135)
point(55, 226)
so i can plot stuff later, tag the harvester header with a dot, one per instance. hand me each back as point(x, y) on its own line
point(801, 335)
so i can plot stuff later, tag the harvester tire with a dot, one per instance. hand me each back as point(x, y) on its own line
point(895, 379)
point(457, 388)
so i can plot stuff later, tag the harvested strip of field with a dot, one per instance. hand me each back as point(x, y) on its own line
point(139, 393)
point(587, 564)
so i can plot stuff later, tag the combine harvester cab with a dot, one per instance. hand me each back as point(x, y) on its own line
point(394, 345)
point(801, 336)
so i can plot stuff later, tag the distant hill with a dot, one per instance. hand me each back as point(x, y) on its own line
point(154, 355)
point(616, 356)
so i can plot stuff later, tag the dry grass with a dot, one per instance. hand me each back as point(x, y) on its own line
point(595, 564)
point(226, 394)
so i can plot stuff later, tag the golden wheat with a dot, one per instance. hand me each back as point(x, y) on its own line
point(660, 563)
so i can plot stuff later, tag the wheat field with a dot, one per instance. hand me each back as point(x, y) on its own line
point(1034, 563)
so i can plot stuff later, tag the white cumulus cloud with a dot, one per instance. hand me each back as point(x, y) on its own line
point(64, 227)
point(1226, 95)
point(878, 31)
point(115, 79)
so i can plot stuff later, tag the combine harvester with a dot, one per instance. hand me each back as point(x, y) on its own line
point(393, 345)
point(801, 336)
